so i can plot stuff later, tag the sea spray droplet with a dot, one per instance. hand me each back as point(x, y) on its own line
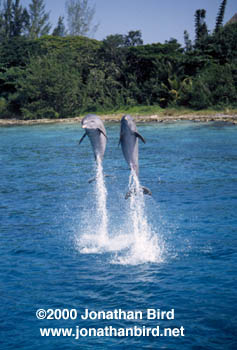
point(145, 246)
point(101, 199)
point(95, 238)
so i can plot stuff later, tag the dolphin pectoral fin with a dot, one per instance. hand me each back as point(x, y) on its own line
point(102, 132)
point(82, 138)
point(128, 194)
point(120, 138)
point(91, 180)
point(94, 178)
point(108, 175)
point(139, 136)
point(146, 191)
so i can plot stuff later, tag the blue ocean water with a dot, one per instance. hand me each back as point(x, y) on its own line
point(52, 256)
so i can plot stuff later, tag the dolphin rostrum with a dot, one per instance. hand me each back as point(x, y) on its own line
point(129, 141)
point(95, 130)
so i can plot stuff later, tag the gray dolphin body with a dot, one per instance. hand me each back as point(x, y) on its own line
point(129, 141)
point(96, 132)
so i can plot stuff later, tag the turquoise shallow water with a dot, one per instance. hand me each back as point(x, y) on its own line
point(47, 205)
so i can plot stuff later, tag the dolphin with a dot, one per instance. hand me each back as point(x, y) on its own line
point(129, 141)
point(95, 130)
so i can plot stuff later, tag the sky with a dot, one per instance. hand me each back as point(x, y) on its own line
point(158, 20)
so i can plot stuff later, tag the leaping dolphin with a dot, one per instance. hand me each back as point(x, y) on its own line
point(95, 130)
point(129, 141)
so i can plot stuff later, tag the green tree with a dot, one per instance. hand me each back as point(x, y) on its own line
point(20, 19)
point(7, 18)
point(214, 87)
point(133, 38)
point(220, 16)
point(114, 41)
point(50, 88)
point(187, 41)
point(80, 17)
point(60, 30)
point(224, 44)
point(39, 19)
point(113, 50)
point(9, 89)
point(13, 19)
point(200, 25)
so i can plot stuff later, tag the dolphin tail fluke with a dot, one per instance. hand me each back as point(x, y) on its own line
point(145, 190)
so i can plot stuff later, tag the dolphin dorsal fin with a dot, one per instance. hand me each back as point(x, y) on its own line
point(139, 136)
point(82, 138)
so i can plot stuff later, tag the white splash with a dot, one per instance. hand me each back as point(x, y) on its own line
point(145, 246)
point(95, 239)
point(101, 200)
point(128, 236)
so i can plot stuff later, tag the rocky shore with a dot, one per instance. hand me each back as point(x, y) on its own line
point(219, 117)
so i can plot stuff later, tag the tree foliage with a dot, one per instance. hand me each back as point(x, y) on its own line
point(14, 19)
point(187, 41)
point(61, 76)
point(133, 38)
point(39, 19)
point(49, 88)
point(220, 15)
point(200, 26)
point(60, 29)
point(80, 17)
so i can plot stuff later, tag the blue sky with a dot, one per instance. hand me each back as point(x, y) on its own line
point(158, 20)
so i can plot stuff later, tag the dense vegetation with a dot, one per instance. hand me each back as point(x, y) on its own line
point(62, 76)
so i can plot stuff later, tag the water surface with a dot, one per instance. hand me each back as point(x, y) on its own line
point(47, 207)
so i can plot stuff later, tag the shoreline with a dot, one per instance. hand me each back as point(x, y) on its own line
point(218, 117)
